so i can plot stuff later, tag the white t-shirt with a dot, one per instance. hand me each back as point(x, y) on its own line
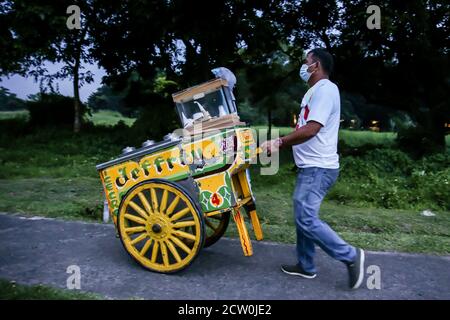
point(322, 104)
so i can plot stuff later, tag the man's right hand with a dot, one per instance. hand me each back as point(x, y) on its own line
point(271, 145)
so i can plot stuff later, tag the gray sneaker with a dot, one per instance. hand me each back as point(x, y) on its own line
point(296, 270)
point(356, 270)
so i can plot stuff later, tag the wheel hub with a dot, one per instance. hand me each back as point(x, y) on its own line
point(156, 228)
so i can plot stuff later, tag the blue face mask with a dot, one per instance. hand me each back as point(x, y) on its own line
point(304, 74)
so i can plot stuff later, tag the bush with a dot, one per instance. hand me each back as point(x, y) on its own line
point(390, 178)
point(418, 141)
point(52, 109)
point(156, 121)
point(389, 161)
point(9, 101)
point(11, 128)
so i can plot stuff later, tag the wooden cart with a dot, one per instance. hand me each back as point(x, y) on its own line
point(170, 199)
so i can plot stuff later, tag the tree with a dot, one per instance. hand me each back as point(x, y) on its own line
point(105, 98)
point(404, 65)
point(276, 88)
point(37, 33)
point(185, 40)
point(9, 101)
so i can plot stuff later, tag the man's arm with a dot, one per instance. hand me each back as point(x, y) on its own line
point(302, 134)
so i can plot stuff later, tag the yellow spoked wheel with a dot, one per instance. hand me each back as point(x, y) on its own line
point(215, 227)
point(160, 226)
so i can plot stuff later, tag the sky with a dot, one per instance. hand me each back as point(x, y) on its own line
point(24, 86)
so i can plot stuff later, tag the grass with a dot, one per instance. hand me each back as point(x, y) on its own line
point(53, 174)
point(371, 228)
point(352, 138)
point(109, 118)
point(281, 130)
point(14, 114)
point(9, 290)
point(101, 117)
point(368, 227)
point(68, 198)
point(74, 192)
point(358, 138)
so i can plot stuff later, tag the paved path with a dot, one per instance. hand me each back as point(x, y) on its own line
point(37, 250)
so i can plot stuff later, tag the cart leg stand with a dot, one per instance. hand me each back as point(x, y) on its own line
point(105, 211)
point(243, 234)
point(256, 225)
point(244, 180)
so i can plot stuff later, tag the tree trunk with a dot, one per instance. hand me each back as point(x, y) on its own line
point(326, 41)
point(76, 81)
point(76, 94)
point(269, 119)
point(437, 129)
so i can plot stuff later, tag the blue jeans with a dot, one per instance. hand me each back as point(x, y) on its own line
point(311, 187)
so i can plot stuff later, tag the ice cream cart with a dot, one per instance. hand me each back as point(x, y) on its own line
point(170, 199)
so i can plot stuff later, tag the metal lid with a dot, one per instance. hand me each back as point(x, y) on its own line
point(128, 150)
point(170, 136)
point(148, 143)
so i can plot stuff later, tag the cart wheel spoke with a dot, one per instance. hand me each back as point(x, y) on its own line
point(139, 238)
point(172, 206)
point(134, 230)
point(145, 247)
point(184, 235)
point(155, 251)
point(210, 225)
point(164, 201)
point(183, 224)
point(180, 214)
point(173, 250)
point(145, 203)
point(139, 209)
point(216, 227)
point(164, 254)
point(180, 244)
point(135, 219)
point(154, 199)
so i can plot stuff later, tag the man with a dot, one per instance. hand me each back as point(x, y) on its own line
point(314, 144)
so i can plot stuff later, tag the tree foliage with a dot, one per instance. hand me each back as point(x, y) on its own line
point(402, 66)
point(9, 101)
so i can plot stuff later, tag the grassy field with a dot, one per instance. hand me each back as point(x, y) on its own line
point(9, 290)
point(109, 118)
point(356, 138)
point(353, 138)
point(71, 198)
point(102, 117)
point(14, 114)
point(368, 227)
point(52, 173)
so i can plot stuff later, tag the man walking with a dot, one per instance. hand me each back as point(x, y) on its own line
point(314, 144)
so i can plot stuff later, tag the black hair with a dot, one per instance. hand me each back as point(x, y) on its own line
point(325, 58)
